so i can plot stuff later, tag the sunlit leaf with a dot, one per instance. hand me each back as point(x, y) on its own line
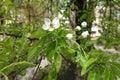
point(57, 61)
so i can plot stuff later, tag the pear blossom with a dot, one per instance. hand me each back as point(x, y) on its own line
point(69, 36)
point(85, 34)
point(84, 24)
point(51, 25)
point(78, 28)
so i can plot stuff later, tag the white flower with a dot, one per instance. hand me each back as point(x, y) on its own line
point(51, 25)
point(69, 36)
point(78, 28)
point(85, 34)
point(84, 24)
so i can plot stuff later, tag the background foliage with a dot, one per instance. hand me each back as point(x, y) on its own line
point(24, 44)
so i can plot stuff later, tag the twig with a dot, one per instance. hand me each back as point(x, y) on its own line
point(17, 36)
point(39, 62)
point(12, 35)
point(13, 74)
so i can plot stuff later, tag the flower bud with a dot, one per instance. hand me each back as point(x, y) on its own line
point(84, 24)
point(85, 34)
point(69, 36)
point(78, 28)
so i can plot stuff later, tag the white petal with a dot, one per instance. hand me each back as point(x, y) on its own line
point(55, 20)
point(51, 29)
point(56, 25)
point(45, 27)
point(47, 21)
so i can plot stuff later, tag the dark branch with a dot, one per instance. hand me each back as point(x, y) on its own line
point(17, 36)
point(39, 62)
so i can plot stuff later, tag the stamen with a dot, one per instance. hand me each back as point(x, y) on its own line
point(51, 25)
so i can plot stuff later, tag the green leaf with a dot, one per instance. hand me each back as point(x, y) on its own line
point(95, 52)
point(91, 42)
point(112, 77)
point(115, 57)
point(70, 53)
point(92, 75)
point(22, 73)
point(57, 61)
point(76, 45)
point(8, 47)
point(4, 58)
point(86, 66)
point(21, 43)
point(9, 4)
point(98, 75)
point(43, 40)
point(115, 69)
point(90, 61)
point(61, 42)
point(63, 33)
point(106, 74)
point(70, 50)
point(50, 51)
point(105, 58)
point(37, 34)
point(52, 74)
point(34, 51)
point(85, 63)
point(83, 71)
point(16, 65)
point(116, 64)
point(82, 60)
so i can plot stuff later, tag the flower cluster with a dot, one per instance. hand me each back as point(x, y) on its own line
point(54, 24)
point(84, 34)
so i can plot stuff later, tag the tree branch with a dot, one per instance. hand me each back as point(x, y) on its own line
point(17, 36)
